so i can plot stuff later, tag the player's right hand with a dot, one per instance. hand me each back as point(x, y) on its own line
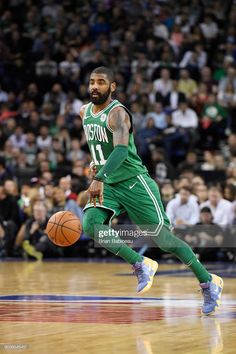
point(95, 191)
point(92, 169)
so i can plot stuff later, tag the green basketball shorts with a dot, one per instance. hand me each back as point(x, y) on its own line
point(139, 196)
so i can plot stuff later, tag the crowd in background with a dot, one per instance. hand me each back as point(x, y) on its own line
point(175, 68)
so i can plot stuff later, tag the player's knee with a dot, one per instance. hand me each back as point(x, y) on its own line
point(167, 242)
point(90, 219)
point(88, 225)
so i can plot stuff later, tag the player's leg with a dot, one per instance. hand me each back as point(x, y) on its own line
point(99, 216)
point(211, 284)
point(102, 216)
point(147, 210)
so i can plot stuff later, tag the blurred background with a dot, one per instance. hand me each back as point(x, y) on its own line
point(175, 67)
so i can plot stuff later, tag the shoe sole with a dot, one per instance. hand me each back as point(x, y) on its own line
point(217, 301)
point(150, 282)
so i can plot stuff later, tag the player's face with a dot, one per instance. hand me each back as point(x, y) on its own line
point(100, 88)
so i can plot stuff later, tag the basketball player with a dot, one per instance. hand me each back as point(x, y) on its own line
point(122, 183)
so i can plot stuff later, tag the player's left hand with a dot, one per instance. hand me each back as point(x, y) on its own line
point(95, 191)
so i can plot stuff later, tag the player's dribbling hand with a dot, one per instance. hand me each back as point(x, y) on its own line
point(92, 169)
point(95, 191)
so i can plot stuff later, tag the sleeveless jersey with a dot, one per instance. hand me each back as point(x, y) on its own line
point(100, 141)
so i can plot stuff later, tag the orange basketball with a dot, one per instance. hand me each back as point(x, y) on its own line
point(64, 228)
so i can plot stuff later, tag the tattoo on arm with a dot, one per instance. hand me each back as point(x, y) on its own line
point(119, 122)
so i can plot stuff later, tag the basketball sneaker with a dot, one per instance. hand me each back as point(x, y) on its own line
point(30, 250)
point(145, 272)
point(211, 291)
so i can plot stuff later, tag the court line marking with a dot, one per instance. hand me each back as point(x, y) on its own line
point(106, 299)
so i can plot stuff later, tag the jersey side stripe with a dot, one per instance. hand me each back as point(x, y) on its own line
point(155, 202)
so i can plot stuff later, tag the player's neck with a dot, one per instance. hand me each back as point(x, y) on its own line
point(99, 108)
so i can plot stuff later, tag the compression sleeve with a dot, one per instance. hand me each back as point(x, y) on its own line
point(118, 155)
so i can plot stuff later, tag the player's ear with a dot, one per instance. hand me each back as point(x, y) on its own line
point(113, 86)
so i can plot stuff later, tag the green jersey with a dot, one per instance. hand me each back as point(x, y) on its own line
point(100, 141)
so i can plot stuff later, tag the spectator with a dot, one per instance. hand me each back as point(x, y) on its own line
point(158, 115)
point(33, 94)
point(47, 116)
point(230, 192)
point(61, 203)
point(79, 180)
point(35, 241)
point(201, 192)
point(65, 184)
point(145, 137)
point(69, 68)
point(34, 122)
point(174, 97)
point(185, 117)
point(18, 139)
point(209, 161)
point(44, 140)
point(229, 79)
point(162, 169)
point(183, 210)
point(222, 209)
point(70, 107)
point(187, 85)
point(167, 193)
point(55, 97)
point(30, 149)
point(190, 162)
point(175, 141)
point(160, 30)
point(213, 122)
point(209, 28)
point(194, 60)
point(75, 152)
point(138, 116)
point(162, 86)
point(46, 68)
point(206, 237)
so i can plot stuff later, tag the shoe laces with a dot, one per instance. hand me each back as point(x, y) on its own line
point(138, 271)
point(207, 296)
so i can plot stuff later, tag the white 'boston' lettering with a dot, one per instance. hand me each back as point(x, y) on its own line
point(95, 132)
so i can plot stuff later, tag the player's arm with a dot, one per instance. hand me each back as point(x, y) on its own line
point(81, 112)
point(119, 122)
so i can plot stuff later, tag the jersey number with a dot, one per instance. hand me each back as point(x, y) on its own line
point(98, 148)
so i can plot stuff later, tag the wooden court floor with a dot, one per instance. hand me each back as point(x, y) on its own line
point(58, 307)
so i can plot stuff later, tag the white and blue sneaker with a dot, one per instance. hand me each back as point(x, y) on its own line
point(211, 291)
point(145, 272)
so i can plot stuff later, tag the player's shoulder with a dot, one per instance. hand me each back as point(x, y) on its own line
point(118, 108)
point(83, 109)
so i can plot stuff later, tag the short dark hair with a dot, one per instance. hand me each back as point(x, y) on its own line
point(205, 210)
point(105, 70)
